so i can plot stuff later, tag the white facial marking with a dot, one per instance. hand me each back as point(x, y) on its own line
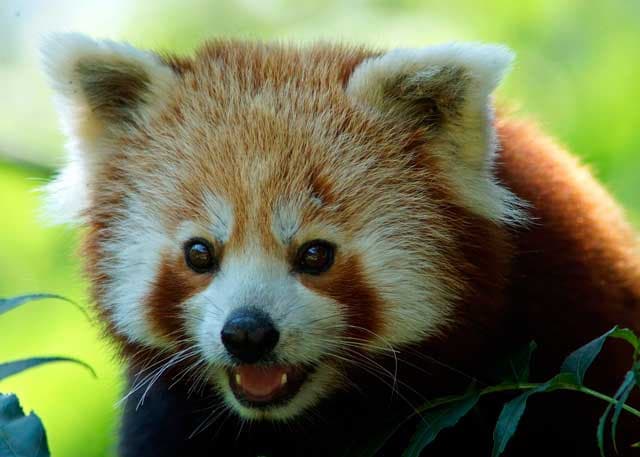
point(132, 259)
point(317, 201)
point(285, 222)
point(220, 215)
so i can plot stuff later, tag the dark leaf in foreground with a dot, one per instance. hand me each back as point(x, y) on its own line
point(10, 368)
point(579, 361)
point(510, 418)
point(7, 304)
point(20, 435)
point(622, 395)
point(436, 420)
point(601, 426)
point(628, 336)
point(376, 441)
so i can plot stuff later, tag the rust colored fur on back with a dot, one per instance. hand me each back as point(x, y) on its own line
point(580, 257)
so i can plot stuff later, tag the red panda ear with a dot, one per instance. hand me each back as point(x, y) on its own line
point(445, 91)
point(102, 89)
point(102, 86)
point(440, 88)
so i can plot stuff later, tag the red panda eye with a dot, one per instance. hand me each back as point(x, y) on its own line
point(315, 257)
point(198, 254)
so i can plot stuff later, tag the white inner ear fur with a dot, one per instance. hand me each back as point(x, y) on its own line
point(87, 132)
point(469, 144)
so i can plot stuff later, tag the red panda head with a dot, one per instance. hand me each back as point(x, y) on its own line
point(271, 211)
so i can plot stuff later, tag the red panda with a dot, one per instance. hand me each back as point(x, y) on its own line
point(295, 246)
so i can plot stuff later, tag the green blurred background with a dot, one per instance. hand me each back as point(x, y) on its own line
point(577, 73)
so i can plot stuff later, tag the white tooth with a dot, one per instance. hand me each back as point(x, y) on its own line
point(283, 380)
point(238, 379)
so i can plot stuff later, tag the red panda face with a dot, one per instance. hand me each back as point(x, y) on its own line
point(273, 214)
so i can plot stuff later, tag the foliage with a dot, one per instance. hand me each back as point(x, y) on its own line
point(436, 419)
point(7, 304)
point(445, 412)
point(20, 435)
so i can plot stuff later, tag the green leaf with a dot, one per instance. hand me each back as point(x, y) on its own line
point(515, 367)
point(600, 430)
point(579, 361)
point(622, 395)
point(7, 304)
point(10, 368)
point(629, 336)
point(378, 439)
point(436, 420)
point(20, 435)
point(510, 418)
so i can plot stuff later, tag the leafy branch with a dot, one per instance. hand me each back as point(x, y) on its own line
point(446, 412)
point(20, 435)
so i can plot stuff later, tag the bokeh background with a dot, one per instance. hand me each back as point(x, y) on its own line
point(577, 73)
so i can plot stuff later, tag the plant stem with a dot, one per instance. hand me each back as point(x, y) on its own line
point(529, 386)
point(596, 394)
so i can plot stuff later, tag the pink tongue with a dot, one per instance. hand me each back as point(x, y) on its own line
point(260, 381)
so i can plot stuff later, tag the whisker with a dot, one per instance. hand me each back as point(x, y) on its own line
point(376, 375)
point(211, 418)
point(173, 361)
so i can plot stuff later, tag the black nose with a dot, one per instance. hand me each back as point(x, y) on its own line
point(249, 335)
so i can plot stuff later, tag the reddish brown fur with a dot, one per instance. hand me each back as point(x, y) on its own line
point(174, 284)
point(577, 272)
point(579, 254)
point(570, 275)
point(347, 284)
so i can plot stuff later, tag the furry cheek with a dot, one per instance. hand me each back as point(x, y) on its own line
point(174, 284)
point(313, 329)
point(348, 285)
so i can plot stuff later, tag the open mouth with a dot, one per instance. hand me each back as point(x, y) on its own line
point(262, 386)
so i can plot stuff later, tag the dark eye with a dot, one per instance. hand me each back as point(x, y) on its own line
point(315, 257)
point(198, 254)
